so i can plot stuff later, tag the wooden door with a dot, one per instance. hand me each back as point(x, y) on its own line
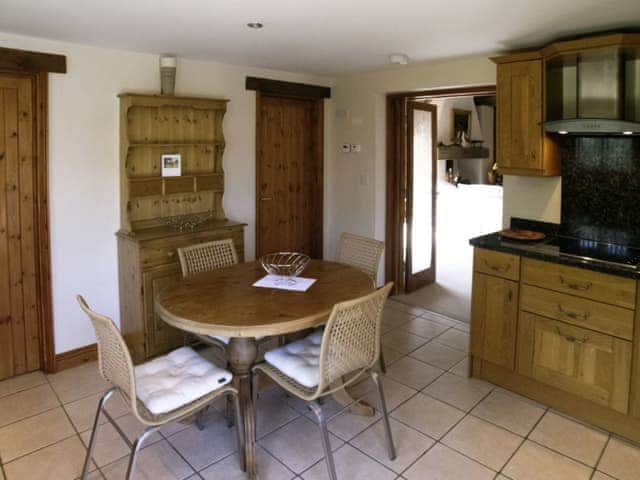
point(19, 304)
point(519, 115)
point(289, 175)
point(494, 319)
point(588, 364)
point(420, 199)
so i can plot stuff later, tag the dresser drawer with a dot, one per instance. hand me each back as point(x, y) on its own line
point(164, 251)
point(578, 281)
point(581, 312)
point(582, 362)
point(498, 264)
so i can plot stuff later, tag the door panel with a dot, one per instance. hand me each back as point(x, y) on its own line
point(287, 170)
point(19, 329)
point(588, 364)
point(422, 132)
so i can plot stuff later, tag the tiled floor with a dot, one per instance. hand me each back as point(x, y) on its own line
point(445, 426)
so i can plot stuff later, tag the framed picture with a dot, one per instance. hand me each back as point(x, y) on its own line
point(460, 122)
point(171, 165)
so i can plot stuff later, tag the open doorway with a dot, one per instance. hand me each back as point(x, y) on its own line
point(460, 199)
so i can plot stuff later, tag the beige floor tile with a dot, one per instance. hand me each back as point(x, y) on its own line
point(413, 373)
point(560, 433)
point(297, 444)
point(229, 469)
point(455, 339)
point(201, 448)
point(464, 326)
point(441, 319)
point(462, 368)
point(463, 393)
point(33, 433)
point(621, 460)
point(394, 318)
point(391, 355)
point(78, 382)
point(405, 307)
point(403, 341)
point(430, 416)
point(534, 462)
point(133, 428)
point(347, 425)
point(508, 411)
point(409, 443)
point(61, 461)
point(394, 393)
point(272, 411)
point(439, 355)
point(83, 411)
point(21, 382)
point(601, 476)
point(490, 445)
point(26, 403)
point(109, 445)
point(424, 327)
point(173, 428)
point(350, 464)
point(442, 463)
point(155, 462)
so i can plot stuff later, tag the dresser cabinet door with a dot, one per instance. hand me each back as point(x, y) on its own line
point(160, 337)
point(494, 318)
point(591, 365)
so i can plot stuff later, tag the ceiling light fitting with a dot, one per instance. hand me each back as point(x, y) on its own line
point(399, 59)
point(255, 25)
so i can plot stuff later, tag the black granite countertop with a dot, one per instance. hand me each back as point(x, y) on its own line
point(550, 253)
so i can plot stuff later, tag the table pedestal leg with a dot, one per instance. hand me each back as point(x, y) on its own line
point(242, 355)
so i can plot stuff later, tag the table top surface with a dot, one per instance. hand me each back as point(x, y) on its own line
point(224, 302)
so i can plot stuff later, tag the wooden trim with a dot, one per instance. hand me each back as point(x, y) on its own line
point(76, 357)
point(396, 160)
point(24, 61)
point(287, 89)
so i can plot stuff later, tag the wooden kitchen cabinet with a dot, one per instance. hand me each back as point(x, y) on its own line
point(494, 320)
point(579, 361)
point(522, 146)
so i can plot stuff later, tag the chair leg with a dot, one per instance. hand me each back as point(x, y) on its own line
point(229, 409)
point(239, 432)
point(385, 415)
point(326, 444)
point(94, 431)
point(135, 449)
point(383, 365)
point(200, 419)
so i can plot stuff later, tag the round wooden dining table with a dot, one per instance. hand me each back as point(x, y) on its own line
point(224, 302)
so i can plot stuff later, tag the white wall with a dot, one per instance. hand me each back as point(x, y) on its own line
point(83, 162)
point(357, 189)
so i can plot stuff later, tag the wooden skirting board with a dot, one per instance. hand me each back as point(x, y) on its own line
point(76, 357)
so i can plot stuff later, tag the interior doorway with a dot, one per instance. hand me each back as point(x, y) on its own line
point(466, 199)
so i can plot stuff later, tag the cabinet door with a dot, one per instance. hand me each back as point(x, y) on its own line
point(160, 337)
point(518, 116)
point(588, 364)
point(494, 318)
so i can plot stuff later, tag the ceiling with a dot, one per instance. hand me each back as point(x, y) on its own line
point(322, 36)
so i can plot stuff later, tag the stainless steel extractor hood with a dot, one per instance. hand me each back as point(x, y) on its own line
point(594, 92)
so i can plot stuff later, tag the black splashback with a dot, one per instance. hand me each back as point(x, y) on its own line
point(601, 188)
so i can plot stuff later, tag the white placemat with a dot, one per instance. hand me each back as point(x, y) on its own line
point(285, 283)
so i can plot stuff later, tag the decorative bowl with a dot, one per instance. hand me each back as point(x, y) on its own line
point(285, 264)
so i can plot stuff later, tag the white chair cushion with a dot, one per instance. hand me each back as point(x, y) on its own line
point(171, 381)
point(299, 360)
point(225, 340)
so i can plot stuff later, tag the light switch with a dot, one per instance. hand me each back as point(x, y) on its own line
point(356, 147)
point(346, 148)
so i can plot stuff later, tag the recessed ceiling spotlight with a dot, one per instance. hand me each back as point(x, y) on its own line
point(399, 58)
point(627, 132)
point(562, 132)
point(255, 25)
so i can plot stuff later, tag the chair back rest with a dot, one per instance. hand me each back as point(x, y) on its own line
point(360, 252)
point(114, 360)
point(207, 256)
point(351, 339)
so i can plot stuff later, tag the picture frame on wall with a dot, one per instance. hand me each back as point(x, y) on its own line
point(460, 124)
point(171, 165)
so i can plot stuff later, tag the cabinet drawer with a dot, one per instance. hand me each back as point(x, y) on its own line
point(578, 311)
point(165, 251)
point(587, 364)
point(578, 281)
point(499, 264)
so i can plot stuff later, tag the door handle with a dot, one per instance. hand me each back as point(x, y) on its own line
point(571, 338)
point(264, 199)
point(575, 286)
point(573, 315)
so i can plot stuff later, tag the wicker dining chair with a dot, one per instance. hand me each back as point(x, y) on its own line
point(314, 367)
point(364, 254)
point(115, 366)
